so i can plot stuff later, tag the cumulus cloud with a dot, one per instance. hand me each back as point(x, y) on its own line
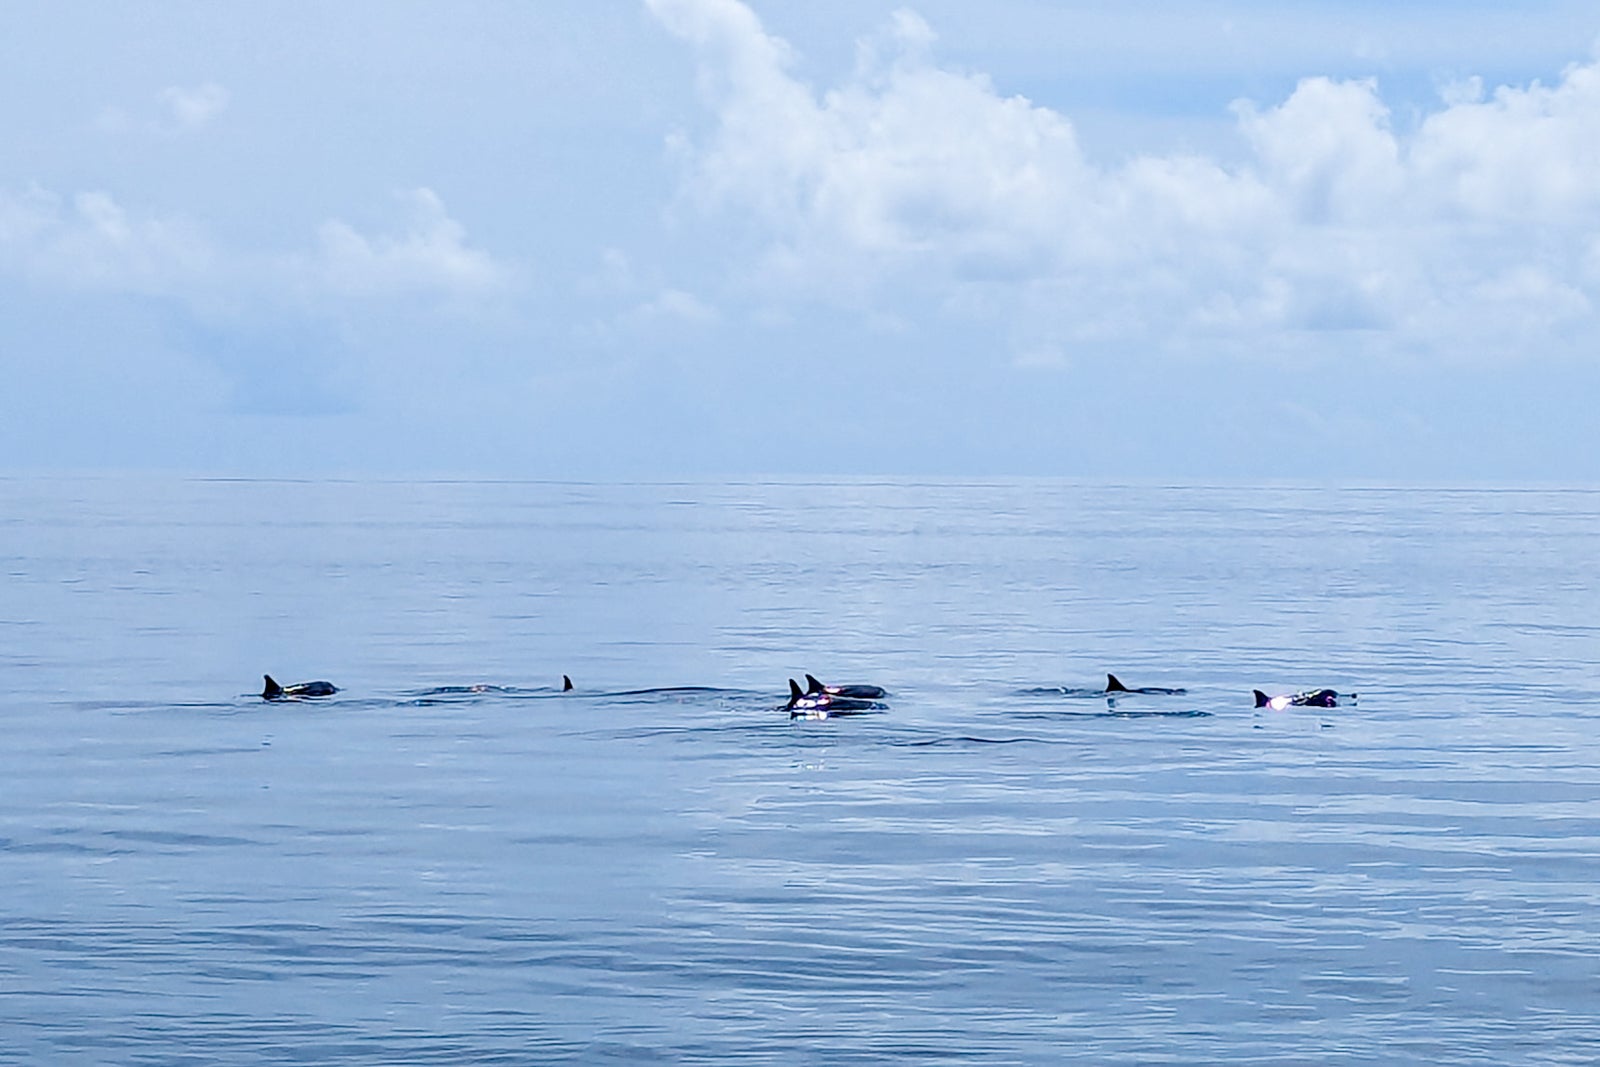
point(90, 241)
point(1523, 155)
point(1461, 232)
point(862, 171)
point(428, 255)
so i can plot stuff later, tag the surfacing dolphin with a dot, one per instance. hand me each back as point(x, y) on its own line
point(1310, 698)
point(1114, 686)
point(490, 689)
point(857, 692)
point(297, 691)
point(824, 705)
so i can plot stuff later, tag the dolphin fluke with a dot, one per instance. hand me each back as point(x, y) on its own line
point(1113, 685)
point(273, 690)
point(566, 684)
point(1262, 700)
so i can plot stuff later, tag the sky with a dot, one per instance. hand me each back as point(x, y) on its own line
point(1196, 240)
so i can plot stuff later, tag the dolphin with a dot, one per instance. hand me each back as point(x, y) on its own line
point(489, 688)
point(824, 705)
point(1310, 698)
point(297, 691)
point(475, 689)
point(857, 692)
point(1114, 686)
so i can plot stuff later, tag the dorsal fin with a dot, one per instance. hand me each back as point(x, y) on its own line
point(813, 686)
point(273, 690)
point(1262, 700)
point(566, 684)
point(1114, 686)
point(794, 692)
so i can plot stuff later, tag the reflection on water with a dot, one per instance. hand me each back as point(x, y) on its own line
point(451, 861)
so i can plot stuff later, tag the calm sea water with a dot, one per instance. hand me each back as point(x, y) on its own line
point(979, 874)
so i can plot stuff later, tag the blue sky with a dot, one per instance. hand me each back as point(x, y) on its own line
point(698, 238)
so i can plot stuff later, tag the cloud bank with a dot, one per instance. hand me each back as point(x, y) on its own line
point(1471, 232)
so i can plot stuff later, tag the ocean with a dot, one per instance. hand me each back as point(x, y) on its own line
point(999, 866)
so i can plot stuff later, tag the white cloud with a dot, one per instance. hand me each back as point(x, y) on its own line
point(677, 305)
point(430, 255)
point(180, 109)
point(1523, 155)
point(92, 242)
point(905, 161)
point(915, 182)
point(1328, 149)
point(191, 108)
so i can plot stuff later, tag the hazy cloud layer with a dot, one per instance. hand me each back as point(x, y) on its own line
point(1473, 230)
point(193, 107)
point(352, 317)
point(658, 239)
point(177, 110)
point(90, 241)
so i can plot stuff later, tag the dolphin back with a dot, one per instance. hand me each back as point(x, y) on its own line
point(273, 691)
point(853, 692)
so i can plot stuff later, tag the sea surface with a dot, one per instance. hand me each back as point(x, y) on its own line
point(1001, 866)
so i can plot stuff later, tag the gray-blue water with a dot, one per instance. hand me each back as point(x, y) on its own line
point(976, 875)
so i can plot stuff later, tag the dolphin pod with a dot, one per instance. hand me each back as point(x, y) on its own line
point(821, 701)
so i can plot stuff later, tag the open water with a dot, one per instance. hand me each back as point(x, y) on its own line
point(409, 873)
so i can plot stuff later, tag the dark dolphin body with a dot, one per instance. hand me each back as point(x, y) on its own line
point(1311, 698)
point(465, 690)
point(1060, 691)
point(297, 691)
point(488, 689)
point(824, 705)
point(1113, 687)
point(856, 692)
